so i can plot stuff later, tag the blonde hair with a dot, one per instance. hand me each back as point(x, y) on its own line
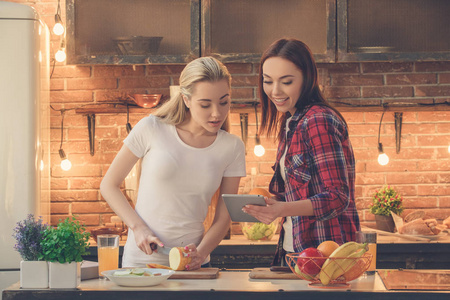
point(201, 69)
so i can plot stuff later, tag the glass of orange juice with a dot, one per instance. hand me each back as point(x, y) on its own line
point(369, 237)
point(108, 252)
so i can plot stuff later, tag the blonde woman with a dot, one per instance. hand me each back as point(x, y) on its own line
point(187, 154)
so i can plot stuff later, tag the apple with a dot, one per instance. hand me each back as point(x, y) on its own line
point(178, 258)
point(309, 261)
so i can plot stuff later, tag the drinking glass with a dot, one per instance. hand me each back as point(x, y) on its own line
point(369, 237)
point(108, 252)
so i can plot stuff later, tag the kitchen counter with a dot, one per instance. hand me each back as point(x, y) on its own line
point(229, 285)
point(392, 252)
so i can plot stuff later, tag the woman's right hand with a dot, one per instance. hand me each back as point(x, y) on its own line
point(144, 237)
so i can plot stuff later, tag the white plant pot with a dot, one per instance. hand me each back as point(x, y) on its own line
point(64, 276)
point(33, 274)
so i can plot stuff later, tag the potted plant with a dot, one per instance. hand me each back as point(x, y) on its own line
point(63, 247)
point(385, 201)
point(33, 270)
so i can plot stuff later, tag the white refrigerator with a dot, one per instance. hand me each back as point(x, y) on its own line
point(24, 127)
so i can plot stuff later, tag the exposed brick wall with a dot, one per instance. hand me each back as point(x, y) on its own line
point(421, 171)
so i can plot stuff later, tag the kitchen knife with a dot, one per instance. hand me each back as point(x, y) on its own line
point(159, 249)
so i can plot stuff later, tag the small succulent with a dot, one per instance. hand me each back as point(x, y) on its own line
point(29, 234)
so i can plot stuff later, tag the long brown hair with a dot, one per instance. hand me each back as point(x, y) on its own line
point(298, 53)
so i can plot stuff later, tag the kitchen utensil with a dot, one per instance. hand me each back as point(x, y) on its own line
point(415, 279)
point(203, 273)
point(425, 238)
point(163, 250)
point(133, 280)
point(266, 273)
point(146, 100)
point(137, 45)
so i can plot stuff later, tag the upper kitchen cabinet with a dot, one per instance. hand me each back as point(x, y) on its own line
point(240, 31)
point(132, 31)
point(392, 30)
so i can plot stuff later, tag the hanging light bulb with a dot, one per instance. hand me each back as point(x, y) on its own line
point(448, 148)
point(66, 165)
point(383, 159)
point(60, 55)
point(58, 29)
point(259, 149)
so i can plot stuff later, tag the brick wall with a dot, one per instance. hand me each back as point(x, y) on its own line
point(421, 171)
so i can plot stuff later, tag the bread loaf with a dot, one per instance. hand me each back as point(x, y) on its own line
point(447, 222)
point(417, 227)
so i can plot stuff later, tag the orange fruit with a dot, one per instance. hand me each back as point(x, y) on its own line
point(260, 191)
point(327, 247)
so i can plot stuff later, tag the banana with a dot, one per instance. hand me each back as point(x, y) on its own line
point(346, 264)
point(330, 265)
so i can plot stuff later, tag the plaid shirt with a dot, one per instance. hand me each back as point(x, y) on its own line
point(320, 167)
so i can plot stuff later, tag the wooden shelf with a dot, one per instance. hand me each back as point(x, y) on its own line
point(248, 108)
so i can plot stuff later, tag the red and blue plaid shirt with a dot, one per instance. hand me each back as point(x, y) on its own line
point(319, 166)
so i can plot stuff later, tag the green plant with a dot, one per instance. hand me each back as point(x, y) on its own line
point(28, 234)
point(65, 243)
point(386, 200)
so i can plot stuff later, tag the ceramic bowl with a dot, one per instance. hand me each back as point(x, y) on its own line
point(146, 100)
point(157, 277)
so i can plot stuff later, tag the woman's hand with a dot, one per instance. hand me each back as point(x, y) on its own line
point(196, 257)
point(265, 214)
point(144, 237)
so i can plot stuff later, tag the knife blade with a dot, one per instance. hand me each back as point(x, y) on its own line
point(159, 249)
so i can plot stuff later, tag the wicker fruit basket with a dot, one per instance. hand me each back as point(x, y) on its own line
point(349, 271)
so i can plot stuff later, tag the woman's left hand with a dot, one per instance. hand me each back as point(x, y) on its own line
point(265, 214)
point(196, 257)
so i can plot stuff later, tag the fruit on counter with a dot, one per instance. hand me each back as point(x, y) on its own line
point(259, 231)
point(303, 275)
point(158, 266)
point(357, 269)
point(310, 261)
point(327, 247)
point(347, 264)
point(348, 251)
point(133, 272)
point(178, 258)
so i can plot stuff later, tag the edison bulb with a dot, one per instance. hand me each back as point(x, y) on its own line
point(448, 148)
point(66, 164)
point(60, 55)
point(58, 29)
point(41, 167)
point(259, 150)
point(383, 159)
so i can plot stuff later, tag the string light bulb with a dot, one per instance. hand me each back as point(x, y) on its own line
point(60, 55)
point(58, 29)
point(259, 149)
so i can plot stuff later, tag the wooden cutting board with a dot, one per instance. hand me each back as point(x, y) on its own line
point(265, 273)
point(415, 279)
point(203, 273)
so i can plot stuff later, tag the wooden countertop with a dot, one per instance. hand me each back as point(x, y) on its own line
point(228, 285)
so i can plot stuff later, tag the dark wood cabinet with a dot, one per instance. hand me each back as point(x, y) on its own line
point(389, 30)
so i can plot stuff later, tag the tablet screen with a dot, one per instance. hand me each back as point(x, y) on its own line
point(234, 204)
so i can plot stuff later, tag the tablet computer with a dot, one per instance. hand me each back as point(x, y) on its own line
point(234, 204)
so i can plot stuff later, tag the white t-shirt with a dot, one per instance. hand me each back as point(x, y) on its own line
point(177, 183)
point(288, 241)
